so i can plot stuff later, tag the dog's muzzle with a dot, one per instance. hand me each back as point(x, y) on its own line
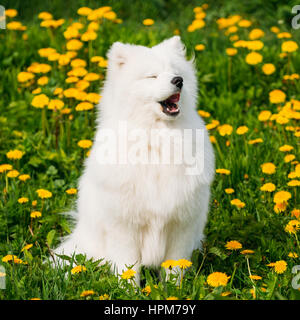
point(170, 105)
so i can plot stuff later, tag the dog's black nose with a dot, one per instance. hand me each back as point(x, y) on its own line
point(178, 81)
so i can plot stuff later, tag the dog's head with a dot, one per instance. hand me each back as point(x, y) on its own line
point(154, 82)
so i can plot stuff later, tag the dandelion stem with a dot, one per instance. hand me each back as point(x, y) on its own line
point(253, 284)
point(229, 74)
point(233, 274)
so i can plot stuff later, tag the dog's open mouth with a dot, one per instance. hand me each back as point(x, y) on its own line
point(170, 105)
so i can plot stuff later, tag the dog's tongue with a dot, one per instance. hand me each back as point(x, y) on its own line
point(174, 98)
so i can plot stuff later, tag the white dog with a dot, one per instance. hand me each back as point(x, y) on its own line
point(137, 213)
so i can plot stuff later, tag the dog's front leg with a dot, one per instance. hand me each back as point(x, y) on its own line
point(122, 249)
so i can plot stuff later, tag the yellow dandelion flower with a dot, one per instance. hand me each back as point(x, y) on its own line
point(84, 106)
point(40, 101)
point(27, 247)
point(14, 154)
point(44, 194)
point(269, 187)
point(5, 167)
point(183, 263)
point(255, 277)
point(12, 258)
point(85, 144)
point(255, 141)
point(264, 115)
point(74, 45)
point(200, 47)
point(294, 183)
point(45, 15)
point(35, 214)
point(247, 251)
point(91, 77)
point(147, 290)
point(223, 171)
point(172, 298)
point(42, 81)
point(78, 269)
point(231, 51)
point(93, 97)
point(280, 207)
point(289, 46)
point(102, 63)
point(254, 58)
point(225, 129)
point(217, 279)
point(12, 174)
point(87, 293)
point(286, 148)
point(71, 191)
point(11, 13)
point(281, 196)
point(284, 35)
point(292, 227)
point(104, 297)
point(255, 45)
point(256, 34)
point(23, 200)
point(244, 23)
point(89, 35)
point(275, 29)
point(212, 125)
point(82, 85)
point(277, 96)
point(84, 11)
point(280, 266)
point(128, 274)
point(229, 190)
point(204, 114)
point(238, 203)
point(110, 15)
point(268, 68)
point(293, 255)
point(233, 245)
point(25, 76)
point(212, 139)
point(63, 60)
point(268, 168)
point(37, 91)
point(242, 130)
point(55, 104)
point(148, 22)
point(295, 213)
point(289, 158)
point(72, 79)
point(169, 264)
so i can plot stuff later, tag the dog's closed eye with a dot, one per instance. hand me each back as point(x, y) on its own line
point(152, 76)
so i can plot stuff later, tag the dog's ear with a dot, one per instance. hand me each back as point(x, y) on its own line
point(176, 43)
point(118, 54)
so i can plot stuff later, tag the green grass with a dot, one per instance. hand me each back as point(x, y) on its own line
point(54, 161)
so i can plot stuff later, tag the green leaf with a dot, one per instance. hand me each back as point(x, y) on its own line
point(216, 251)
point(50, 237)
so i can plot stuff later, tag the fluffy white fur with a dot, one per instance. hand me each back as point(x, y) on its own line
point(143, 214)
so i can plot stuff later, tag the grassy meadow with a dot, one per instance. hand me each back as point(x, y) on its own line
point(52, 65)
